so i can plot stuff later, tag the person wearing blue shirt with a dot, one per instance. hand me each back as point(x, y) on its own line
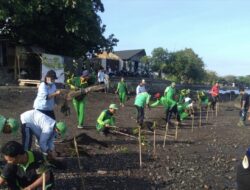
point(45, 99)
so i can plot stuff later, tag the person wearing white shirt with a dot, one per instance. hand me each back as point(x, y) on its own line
point(141, 87)
point(43, 127)
point(101, 76)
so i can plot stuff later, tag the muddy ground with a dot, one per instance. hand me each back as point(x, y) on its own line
point(203, 159)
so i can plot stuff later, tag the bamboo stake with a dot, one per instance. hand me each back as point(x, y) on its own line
point(165, 136)
point(216, 109)
point(193, 123)
point(207, 114)
point(139, 138)
point(200, 117)
point(79, 163)
point(44, 180)
point(125, 134)
point(176, 131)
point(154, 151)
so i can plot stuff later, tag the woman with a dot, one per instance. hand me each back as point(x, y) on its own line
point(122, 91)
point(45, 99)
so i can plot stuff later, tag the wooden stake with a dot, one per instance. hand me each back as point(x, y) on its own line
point(79, 163)
point(216, 109)
point(44, 180)
point(139, 138)
point(165, 136)
point(154, 151)
point(200, 117)
point(207, 114)
point(176, 130)
point(125, 134)
point(193, 123)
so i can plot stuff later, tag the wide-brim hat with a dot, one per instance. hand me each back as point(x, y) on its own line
point(62, 128)
point(14, 124)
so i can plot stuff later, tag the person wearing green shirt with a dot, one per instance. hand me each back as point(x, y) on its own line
point(9, 125)
point(106, 119)
point(141, 100)
point(122, 91)
point(170, 93)
point(79, 102)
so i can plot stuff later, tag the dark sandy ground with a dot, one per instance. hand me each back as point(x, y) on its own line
point(203, 159)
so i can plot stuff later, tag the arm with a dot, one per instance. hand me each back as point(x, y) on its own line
point(38, 182)
point(2, 180)
point(100, 118)
point(155, 104)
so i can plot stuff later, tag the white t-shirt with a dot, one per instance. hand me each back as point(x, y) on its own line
point(42, 126)
point(101, 76)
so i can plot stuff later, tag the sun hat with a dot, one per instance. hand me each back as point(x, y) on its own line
point(157, 95)
point(13, 123)
point(62, 128)
point(113, 106)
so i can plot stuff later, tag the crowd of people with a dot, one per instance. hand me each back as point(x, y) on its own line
point(23, 162)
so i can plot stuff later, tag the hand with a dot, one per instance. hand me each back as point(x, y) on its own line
point(27, 188)
point(106, 125)
point(58, 92)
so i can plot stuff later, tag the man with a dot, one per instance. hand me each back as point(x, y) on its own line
point(106, 119)
point(79, 102)
point(214, 94)
point(8, 125)
point(43, 127)
point(122, 91)
point(24, 168)
point(141, 87)
point(243, 173)
point(169, 93)
point(101, 76)
point(244, 105)
point(141, 100)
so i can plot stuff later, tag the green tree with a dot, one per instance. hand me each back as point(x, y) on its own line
point(67, 27)
point(159, 60)
point(210, 77)
point(187, 66)
point(146, 62)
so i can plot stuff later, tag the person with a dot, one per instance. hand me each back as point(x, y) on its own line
point(141, 100)
point(43, 127)
point(141, 87)
point(172, 108)
point(9, 125)
point(244, 106)
point(215, 90)
point(122, 91)
point(106, 81)
point(79, 102)
point(24, 169)
point(243, 172)
point(45, 99)
point(101, 76)
point(106, 119)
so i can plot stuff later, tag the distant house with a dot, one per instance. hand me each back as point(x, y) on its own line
point(131, 59)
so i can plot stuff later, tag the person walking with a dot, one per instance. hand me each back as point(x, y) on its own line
point(24, 169)
point(106, 119)
point(141, 100)
point(244, 106)
point(106, 81)
point(45, 99)
point(122, 91)
point(215, 91)
point(43, 127)
point(79, 102)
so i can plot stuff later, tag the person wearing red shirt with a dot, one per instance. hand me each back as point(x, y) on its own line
point(215, 90)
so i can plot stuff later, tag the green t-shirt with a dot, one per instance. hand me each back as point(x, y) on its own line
point(142, 99)
point(122, 87)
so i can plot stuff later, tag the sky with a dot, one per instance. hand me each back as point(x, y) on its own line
point(217, 30)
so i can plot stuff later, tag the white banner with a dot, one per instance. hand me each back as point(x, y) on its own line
point(53, 62)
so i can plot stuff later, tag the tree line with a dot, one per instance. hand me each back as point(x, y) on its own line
point(185, 66)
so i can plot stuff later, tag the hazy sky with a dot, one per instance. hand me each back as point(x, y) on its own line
point(217, 30)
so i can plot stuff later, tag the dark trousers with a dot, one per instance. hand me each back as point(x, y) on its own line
point(243, 114)
point(26, 137)
point(214, 100)
point(140, 114)
point(171, 111)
